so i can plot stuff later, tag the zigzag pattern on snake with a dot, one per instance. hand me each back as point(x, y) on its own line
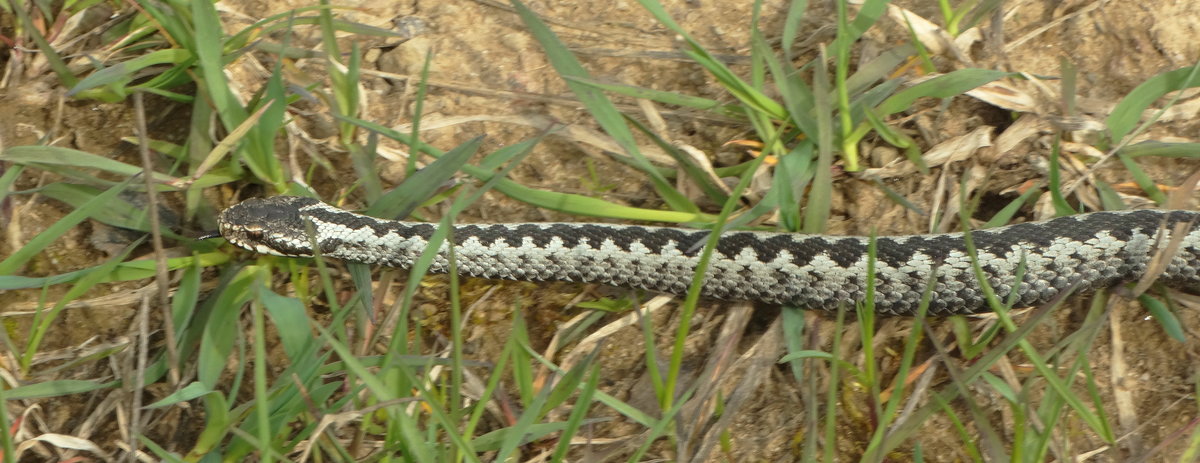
point(1077, 253)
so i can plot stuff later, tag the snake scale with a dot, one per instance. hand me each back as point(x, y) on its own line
point(1075, 253)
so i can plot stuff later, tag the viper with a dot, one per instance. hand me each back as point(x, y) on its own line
point(1027, 263)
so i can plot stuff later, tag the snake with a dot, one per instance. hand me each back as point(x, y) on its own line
point(1025, 264)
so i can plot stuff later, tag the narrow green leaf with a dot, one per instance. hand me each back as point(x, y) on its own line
point(603, 110)
point(217, 421)
point(55, 388)
point(218, 337)
point(291, 321)
point(669, 98)
point(578, 413)
point(747, 93)
point(43, 320)
point(193, 390)
point(1005, 216)
point(124, 271)
point(793, 174)
point(869, 13)
point(943, 86)
point(47, 50)
point(817, 210)
point(797, 96)
point(1001, 387)
point(569, 203)
point(58, 156)
point(1110, 200)
point(1165, 317)
point(877, 70)
point(694, 172)
point(1162, 149)
point(402, 200)
point(567, 384)
point(118, 213)
point(495, 440)
point(21, 256)
point(791, 26)
point(415, 444)
point(1128, 112)
point(123, 73)
point(8, 178)
point(1143, 180)
point(1054, 181)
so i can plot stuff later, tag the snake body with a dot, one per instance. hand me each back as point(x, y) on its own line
point(1074, 253)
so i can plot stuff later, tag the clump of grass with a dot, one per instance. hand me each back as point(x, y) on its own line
point(329, 392)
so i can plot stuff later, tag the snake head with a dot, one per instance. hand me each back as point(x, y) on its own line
point(272, 225)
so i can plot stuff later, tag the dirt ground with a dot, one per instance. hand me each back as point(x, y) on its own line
point(486, 67)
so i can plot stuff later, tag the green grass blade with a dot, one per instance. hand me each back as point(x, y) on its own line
point(603, 110)
point(401, 201)
point(686, 164)
point(578, 413)
point(10, 176)
point(258, 148)
point(670, 98)
point(504, 441)
point(289, 315)
point(262, 402)
point(1161, 149)
point(877, 70)
point(1110, 200)
point(115, 77)
point(192, 391)
point(1164, 316)
point(745, 92)
point(797, 96)
point(1054, 181)
point(55, 388)
point(413, 442)
point(1005, 216)
point(943, 86)
point(563, 202)
point(793, 174)
point(1128, 112)
point(1143, 180)
point(21, 256)
point(217, 342)
point(816, 214)
point(42, 321)
point(118, 212)
point(791, 26)
point(123, 271)
point(56, 156)
point(868, 14)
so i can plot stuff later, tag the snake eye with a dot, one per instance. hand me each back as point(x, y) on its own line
point(256, 234)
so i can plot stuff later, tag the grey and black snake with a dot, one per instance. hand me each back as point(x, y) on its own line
point(1075, 253)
